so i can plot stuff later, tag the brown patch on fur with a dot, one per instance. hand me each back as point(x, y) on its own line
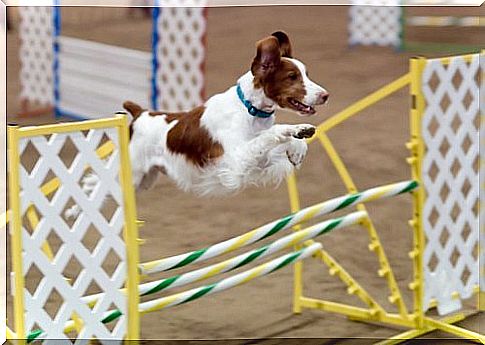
point(285, 83)
point(188, 138)
point(268, 57)
point(158, 113)
point(278, 76)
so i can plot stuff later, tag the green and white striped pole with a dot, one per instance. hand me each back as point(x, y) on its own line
point(246, 239)
point(191, 295)
point(238, 279)
point(245, 258)
point(276, 226)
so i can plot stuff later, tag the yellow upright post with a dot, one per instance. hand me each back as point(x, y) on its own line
point(130, 232)
point(481, 272)
point(416, 147)
point(16, 230)
point(298, 266)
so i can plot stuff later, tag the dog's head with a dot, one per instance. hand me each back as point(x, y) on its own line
point(283, 78)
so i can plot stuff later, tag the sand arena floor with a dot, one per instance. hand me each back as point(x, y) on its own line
point(371, 144)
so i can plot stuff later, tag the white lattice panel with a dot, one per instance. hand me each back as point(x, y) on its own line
point(95, 78)
point(35, 52)
point(375, 25)
point(89, 251)
point(181, 54)
point(450, 174)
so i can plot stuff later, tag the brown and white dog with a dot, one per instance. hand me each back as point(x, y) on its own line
point(231, 141)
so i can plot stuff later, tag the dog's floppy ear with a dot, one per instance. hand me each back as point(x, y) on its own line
point(284, 42)
point(268, 57)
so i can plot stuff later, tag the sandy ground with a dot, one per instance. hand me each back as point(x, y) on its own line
point(371, 144)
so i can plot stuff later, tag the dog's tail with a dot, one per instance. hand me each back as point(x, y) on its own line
point(133, 109)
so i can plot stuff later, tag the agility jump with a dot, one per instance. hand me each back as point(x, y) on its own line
point(37, 203)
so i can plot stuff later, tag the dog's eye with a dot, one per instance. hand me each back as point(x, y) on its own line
point(292, 76)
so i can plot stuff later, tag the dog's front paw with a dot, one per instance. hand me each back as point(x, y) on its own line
point(287, 133)
point(296, 152)
point(304, 131)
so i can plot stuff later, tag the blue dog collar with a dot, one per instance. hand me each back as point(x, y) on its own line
point(252, 110)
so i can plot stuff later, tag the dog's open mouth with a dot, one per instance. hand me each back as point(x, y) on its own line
point(302, 108)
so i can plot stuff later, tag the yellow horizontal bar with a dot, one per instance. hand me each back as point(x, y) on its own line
point(397, 319)
point(51, 186)
point(69, 326)
point(447, 59)
point(391, 319)
point(335, 307)
point(358, 313)
point(31, 131)
point(363, 103)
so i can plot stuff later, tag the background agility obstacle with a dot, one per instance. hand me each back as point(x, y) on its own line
point(413, 29)
point(60, 70)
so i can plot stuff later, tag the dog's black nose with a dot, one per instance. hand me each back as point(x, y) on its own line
point(323, 97)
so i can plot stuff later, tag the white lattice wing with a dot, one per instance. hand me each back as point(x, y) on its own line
point(180, 53)
point(35, 53)
point(375, 25)
point(450, 175)
point(89, 251)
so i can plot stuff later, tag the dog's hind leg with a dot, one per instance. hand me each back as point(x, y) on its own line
point(88, 184)
point(296, 151)
point(151, 177)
